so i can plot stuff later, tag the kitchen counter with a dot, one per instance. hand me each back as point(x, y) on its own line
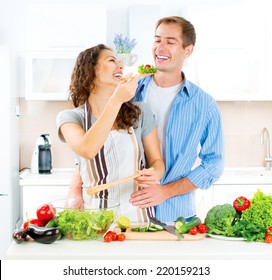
point(59, 176)
point(206, 249)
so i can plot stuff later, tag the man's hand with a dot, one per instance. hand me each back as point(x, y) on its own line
point(148, 196)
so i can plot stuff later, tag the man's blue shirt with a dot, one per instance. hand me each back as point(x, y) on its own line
point(194, 120)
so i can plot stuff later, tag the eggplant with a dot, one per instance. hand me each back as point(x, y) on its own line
point(42, 234)
point(19, 235)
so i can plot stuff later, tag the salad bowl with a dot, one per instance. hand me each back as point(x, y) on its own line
point(77, 220)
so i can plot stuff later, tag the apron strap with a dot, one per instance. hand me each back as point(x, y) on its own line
point(99, 159)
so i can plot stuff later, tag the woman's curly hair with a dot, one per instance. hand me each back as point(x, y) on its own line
point(82, 84)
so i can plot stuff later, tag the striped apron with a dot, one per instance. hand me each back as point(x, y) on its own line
point(118, 158)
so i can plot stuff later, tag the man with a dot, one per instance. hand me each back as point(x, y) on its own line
point(188, 120)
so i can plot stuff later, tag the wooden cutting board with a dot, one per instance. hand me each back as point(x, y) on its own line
point(159, 235)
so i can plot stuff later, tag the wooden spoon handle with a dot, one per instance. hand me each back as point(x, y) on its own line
point(99, 188)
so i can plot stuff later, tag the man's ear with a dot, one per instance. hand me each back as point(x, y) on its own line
point(189, 50)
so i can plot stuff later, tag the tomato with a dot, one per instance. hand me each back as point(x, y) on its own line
point(147, 66)
point(121, 237)
point(268, 239)
point(202, 228)
point(107, 237)
point(36, 222)
point(193, 230)
point(45, 213)
point(113, 234)
point(269, 231)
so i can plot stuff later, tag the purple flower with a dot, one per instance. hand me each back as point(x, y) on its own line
point(123, 45)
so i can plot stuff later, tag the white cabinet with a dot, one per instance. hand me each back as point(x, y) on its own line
point(232, 57)
point(56, 32)
point(37, 189)
point(62, 24)
point(34, 196)
point(48, 74)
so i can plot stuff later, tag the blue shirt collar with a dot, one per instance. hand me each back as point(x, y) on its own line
point(185, 89)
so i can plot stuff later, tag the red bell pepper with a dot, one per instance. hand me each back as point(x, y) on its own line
point(241, 203)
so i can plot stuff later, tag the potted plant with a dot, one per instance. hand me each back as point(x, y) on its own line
point(124, 46)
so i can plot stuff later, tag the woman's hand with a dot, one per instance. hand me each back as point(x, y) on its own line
point(148, 177)
point(126, 89)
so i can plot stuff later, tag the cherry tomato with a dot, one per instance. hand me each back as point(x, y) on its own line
point(107, 238)
point(202, 228)
point(113, 234)
point(147, 66)
point(36, 222)
point(268, 239)
point(121, 237)
point(193, 230)
point(268, 231)
point(45, 213)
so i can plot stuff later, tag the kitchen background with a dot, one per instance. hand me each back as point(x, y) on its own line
point(232, 61)
point(244, 115)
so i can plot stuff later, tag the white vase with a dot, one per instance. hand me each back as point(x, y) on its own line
point(127, 59)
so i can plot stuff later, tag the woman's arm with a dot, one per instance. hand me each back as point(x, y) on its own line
point(87, 144)
point(74, 197)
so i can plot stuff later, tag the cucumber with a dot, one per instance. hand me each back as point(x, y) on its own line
point(187, 226)
point(152, 229)
point(179, 222)
point(158, 227)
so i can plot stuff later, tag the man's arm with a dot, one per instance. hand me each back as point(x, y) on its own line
point(156, 194)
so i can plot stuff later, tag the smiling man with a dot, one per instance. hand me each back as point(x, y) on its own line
point(189, 126)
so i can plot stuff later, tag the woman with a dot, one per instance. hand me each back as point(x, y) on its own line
point(112, 137)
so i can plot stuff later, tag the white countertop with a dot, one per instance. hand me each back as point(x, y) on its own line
point(59, 176)
point(245, 176)
point(206, 249)
point(63, 176)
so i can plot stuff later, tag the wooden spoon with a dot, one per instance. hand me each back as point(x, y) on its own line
point(98, 188)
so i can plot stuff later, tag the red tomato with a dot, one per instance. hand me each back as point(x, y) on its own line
point(268, 239)
point(45, 213)
point(36, 222)
point(193, 230)
point(202, 228)
point(107, 238)
point(147, 66)
point(113, 234)
point(121, 237)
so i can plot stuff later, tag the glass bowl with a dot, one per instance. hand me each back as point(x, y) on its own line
point(78, 221)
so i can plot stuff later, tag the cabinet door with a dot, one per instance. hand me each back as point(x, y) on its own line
point(34, 196)
point(62, 24)
point(228, 193)
point(48, 74)
point(204, 202)
point(226, 61)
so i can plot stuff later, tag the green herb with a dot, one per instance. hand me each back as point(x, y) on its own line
point(77, 225)
point(260, 211)
point(256, 219)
